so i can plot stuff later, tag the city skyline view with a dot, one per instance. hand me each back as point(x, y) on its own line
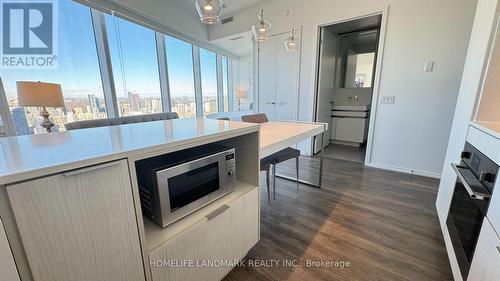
point(76, 41)
point(134, 64)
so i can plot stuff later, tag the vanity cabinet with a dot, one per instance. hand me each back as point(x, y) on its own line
point(349, 129)
point(486, 261)
point(224, 235)
point(79, 225)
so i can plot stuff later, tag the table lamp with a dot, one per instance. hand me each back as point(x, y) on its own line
point(240, 94)
point(38, 94)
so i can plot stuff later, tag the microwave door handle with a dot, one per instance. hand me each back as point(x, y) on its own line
point(472, 194)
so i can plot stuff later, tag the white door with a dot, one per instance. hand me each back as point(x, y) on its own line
point(287, 77)
point(278, 79)
point(326, 75)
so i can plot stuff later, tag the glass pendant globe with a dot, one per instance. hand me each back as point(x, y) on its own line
point(261, 29)
point(208, 10)
point(292, 43)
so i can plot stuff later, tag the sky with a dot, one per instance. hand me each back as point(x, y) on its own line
point(133, 56)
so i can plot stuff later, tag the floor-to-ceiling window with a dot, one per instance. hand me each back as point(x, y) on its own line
point(208, 65)
point(135, 67)
point(93, 43)
point(77, 72)
point(181, 77)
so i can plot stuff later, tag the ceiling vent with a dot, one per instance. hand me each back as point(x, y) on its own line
point(236, 38)
point(227, 20)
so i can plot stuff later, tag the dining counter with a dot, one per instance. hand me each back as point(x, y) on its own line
point(29, 156)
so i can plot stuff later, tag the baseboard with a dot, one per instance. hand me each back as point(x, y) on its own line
point(404, 170)
point(347, 143)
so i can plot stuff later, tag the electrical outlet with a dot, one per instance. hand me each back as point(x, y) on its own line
point(388, 99)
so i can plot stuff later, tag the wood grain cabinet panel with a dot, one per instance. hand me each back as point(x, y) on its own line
point(80, 225)
point(8, 268)
point(494, 207)
point(226, 237)
point(486, 261)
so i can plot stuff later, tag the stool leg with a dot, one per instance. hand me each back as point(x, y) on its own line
point(268, 184)
point(297, 170)
point(274, 182)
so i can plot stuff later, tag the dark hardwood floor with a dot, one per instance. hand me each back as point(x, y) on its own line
point(383, 223)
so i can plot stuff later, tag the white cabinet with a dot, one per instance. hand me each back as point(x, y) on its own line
point(486, 261)
point(278, 79)
point(349, 129)
point(494, 207)
point(8, 268)
point(225, 236)
point(79, 225)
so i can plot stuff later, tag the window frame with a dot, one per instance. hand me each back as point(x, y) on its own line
point(107, 77)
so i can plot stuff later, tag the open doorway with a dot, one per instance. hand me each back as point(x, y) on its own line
point(345, 78)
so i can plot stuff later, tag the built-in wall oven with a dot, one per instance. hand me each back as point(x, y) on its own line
point(176, 184)
point(476, 175)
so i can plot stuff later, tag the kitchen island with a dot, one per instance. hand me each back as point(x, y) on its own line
point(71, 210)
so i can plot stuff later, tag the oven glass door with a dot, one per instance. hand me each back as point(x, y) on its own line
point(190, 186)
point(464, 222)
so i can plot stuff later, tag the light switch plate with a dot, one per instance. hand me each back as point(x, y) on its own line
point(388, 100)
point(429, 66)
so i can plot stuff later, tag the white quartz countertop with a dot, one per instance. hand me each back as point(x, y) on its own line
point(30, 156)
point(277, 135)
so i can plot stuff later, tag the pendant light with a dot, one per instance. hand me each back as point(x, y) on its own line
point(209, 10)
point(292, 43)
point(261, 29)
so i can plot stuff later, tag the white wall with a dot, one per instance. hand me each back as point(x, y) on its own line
point(412, 134)
point(178, 14)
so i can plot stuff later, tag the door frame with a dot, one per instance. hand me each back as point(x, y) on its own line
point(376, 82)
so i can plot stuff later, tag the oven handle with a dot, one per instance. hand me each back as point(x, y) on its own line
point(474, 195)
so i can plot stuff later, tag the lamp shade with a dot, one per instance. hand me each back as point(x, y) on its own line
point(39, 94)
point(241, 94)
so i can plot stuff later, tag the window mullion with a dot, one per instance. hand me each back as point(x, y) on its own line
point(220, 86)
point(108, 84)
point(5, 115)
point(230, 85)
point(161, 54)
point(197, 81)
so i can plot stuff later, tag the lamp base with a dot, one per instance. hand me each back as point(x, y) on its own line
point(47, 124)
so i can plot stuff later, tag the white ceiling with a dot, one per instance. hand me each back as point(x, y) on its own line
point(237, 44)
point(233, 6)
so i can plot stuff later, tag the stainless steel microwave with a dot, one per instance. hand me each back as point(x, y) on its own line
point(192, 179)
